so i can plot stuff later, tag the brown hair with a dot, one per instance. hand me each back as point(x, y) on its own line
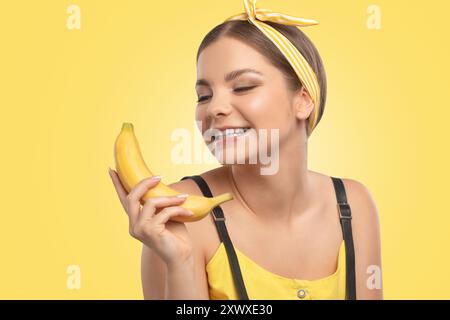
point(251, 35)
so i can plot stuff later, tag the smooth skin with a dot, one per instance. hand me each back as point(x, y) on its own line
point(151, 227)
point(293, 212)
point(168, 246)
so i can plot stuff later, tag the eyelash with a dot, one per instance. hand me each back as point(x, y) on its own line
point(200, 99)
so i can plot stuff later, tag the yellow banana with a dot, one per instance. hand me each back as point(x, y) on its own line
point(131, 168)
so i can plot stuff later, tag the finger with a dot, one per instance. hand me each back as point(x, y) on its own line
point(150, 206)
point(120, 189)
point(141, 188)
point(135, 195)
point(169, 212)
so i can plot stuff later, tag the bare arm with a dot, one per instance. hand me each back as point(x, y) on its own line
point(366, 235)
point(185, 281)
point(153, 274)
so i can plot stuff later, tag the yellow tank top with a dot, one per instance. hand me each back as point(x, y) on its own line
point(261, 284)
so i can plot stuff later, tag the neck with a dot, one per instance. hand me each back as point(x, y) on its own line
point(281, 196)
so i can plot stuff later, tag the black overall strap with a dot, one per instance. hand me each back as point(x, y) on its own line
point(219, 220)
point(345, 215)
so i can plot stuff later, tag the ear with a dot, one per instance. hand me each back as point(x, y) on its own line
point(303, 104)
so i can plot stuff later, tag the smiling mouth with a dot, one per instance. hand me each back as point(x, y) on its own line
point(236, 132)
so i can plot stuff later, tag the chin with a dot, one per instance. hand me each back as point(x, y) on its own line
point(231, 155)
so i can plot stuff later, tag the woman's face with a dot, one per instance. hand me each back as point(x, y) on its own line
point(259, 100)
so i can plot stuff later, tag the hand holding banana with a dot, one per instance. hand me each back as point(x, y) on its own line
point(151, 225)
point(131, 170)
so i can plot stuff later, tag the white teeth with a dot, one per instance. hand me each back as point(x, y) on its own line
point(230, 132)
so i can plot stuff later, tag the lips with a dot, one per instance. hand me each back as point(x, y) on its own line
point(228, 132)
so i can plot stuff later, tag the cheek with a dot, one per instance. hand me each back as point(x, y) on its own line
point(198, 116)
point(200, 119)
point(267, 109)
point(200, 122)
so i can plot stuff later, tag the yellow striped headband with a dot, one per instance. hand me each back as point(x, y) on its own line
point(302, 68)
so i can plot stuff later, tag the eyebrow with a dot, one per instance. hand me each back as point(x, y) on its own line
point(230, 76)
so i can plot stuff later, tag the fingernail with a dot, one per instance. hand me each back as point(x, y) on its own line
point(109, 170)
point(156, 177)
point(190, 213)
point(183, 195)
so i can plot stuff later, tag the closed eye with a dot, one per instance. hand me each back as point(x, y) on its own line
point(200, 99)
point(244, 88)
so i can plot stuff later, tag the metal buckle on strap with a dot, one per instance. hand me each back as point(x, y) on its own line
point(344, 210)
point(217, 219)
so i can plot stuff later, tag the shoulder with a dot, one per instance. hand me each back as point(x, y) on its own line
point(186, 186)
point(367, 242)
point(362, 202)
point(360, 199)
point(190, 186)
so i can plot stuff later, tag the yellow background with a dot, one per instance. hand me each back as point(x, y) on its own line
point(65, 93)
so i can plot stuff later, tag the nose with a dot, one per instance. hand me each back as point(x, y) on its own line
point(218, 108)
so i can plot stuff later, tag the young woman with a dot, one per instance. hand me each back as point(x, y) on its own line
point(284, 235)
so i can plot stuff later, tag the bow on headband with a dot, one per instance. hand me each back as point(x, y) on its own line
point(301, 67)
